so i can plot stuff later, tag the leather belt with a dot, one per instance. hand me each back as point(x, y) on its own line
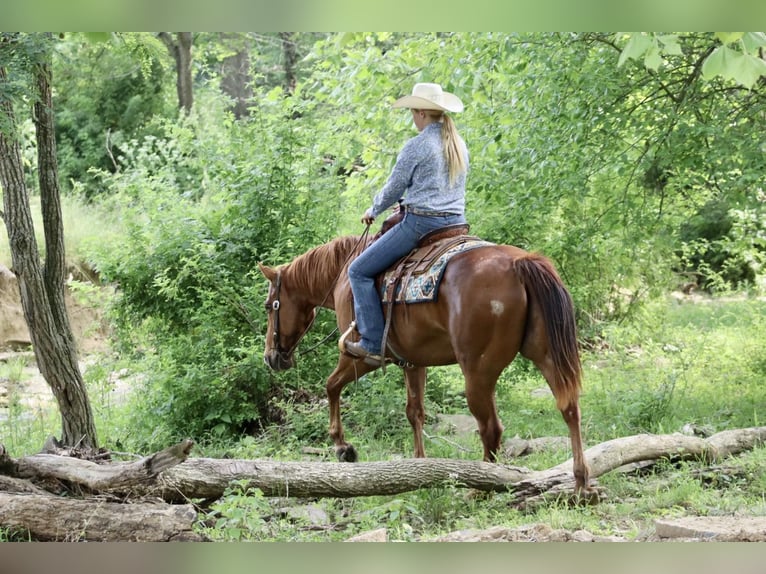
point(416, 211)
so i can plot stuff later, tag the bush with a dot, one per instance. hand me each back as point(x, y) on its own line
point(724, 247)
point(103, 106)
point(191, 294)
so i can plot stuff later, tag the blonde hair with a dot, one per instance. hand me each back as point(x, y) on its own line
point(453, 151)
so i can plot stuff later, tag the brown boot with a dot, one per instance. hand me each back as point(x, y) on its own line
point(355, 349)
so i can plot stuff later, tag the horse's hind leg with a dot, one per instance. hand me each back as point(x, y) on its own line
point(570, 410)
point(415, 379)
point(480, 396)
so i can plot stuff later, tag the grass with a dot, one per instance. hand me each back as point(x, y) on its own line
point(700, 364)
point(84, 225)
point(682, 363)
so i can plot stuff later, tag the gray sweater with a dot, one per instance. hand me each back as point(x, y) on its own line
point(421, 177)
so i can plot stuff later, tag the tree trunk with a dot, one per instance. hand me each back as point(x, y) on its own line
point(290, 53)
point(235, 75)
point(180, 50)
point(25, 505)
point(114, 478)
point(42, 289)
point(209, 478)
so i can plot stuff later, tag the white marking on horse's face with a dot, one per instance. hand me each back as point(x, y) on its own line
point(497, 307)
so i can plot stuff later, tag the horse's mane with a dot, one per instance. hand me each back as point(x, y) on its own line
point(322, 265)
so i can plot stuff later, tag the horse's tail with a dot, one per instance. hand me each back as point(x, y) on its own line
point(545, 286)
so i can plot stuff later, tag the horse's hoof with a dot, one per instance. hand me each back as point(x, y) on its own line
point(346, 453)
point(589, 495)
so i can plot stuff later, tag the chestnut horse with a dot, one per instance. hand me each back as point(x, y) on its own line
point(493, 302)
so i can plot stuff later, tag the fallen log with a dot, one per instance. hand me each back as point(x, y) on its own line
point(208, 478)
point(94, 477)
point(53, 518)
point(618, 452)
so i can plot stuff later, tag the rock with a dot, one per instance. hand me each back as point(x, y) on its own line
point(518, 446)
point(717, 528)
point(455, 424)
point(528, 533)
point(310, 514)
point(379, 535)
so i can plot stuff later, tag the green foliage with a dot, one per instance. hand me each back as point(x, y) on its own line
point(679, 364)
point(107, 93)
point(723, 246)
point(186, 266)
point(238, 515)
point(742, 63)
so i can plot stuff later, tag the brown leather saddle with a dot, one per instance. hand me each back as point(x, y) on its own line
point(429, 248)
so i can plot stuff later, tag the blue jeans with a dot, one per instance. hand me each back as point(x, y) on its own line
point(379, 256)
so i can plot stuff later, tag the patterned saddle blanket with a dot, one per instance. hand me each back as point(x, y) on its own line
point(416, 277)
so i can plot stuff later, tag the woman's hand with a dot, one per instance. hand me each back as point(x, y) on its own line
point(367, 218)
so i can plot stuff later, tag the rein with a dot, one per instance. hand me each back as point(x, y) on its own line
point(276, 304)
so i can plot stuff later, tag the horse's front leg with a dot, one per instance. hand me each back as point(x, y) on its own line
point(415, 379)
point(346, 371)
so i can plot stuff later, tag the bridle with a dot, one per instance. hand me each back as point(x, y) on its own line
point(285, 354)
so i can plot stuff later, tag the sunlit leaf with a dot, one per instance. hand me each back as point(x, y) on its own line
point(653, 58)
point(715, 64)
point(747, 69)
point(670, 44)
point(754, 40)
point(635, 48)
point(730, 64)
point(729, 37)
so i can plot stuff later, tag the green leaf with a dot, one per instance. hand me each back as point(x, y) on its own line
point(635, 48)
point(716, 63)
point(744, 69)
point(729, 37)
point(754, 40)
point(747, 69)
point(670, 44)
point(653, 58)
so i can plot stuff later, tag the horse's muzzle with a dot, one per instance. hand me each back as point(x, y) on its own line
point(279, 361)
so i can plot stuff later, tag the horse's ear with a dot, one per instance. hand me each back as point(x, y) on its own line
point(268, 272)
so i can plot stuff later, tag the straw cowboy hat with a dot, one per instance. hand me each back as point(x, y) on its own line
point(430, 97)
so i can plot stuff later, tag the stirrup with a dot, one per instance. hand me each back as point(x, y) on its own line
point(356, 350)
point(371, 359)
point(344, 336)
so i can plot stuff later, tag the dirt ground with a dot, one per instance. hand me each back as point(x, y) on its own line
point(14, 335)
point(15, 344)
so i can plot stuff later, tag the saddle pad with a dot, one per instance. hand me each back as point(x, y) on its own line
point(423, 286)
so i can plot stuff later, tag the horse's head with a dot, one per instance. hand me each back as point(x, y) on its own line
point(290, 317)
